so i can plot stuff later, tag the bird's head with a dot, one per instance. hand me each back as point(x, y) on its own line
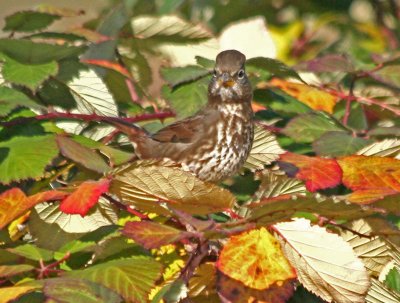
point(229, 82)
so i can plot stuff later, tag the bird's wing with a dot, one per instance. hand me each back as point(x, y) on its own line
point(183, 131)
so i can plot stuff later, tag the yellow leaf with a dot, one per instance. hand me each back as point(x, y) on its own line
point(313, 97)
point(255, 258)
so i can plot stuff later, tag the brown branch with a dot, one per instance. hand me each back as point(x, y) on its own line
point(45, 270)
point(194, 261)
point(130, 210)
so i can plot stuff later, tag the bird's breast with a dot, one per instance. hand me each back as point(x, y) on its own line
point(225, 146)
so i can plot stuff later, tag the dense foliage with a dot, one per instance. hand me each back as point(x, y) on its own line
point(314, 215)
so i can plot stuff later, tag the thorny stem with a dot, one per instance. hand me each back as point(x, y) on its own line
point(45, 270)
point(365, 100)
point(349, 99)
point(90, 117)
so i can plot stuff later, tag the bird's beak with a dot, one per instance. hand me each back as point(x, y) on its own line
point(226, 80)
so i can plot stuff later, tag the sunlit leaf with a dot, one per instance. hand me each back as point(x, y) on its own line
point(78, 291)
point(259, 263)
point(102, 214)
point(311, 126)
point(372, 249)
point(325, 263)
point(377, 176)
point(319, 173)
point(168, 29)
point(84, 197)
point(379, 293)
point(28, 21)
point(146, 183)
point(315, 98)
point(132, 278)
point(11, 98)
point(275, 184)
point(26, 157)
point(152, 234)
point(265, 149)
point(81, 154)
point(28, 75)
point(385, 148)
point(388, 75)
point(12, 270)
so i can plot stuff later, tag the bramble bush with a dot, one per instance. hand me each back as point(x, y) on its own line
point(314, 214)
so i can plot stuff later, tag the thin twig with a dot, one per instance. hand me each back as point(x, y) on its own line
point(89, 117)
point(349, 99)
point(130, 210)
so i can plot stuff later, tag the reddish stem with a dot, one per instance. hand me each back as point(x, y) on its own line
point(126, 208)
point(349, 99)
point(45, 270)
point(92, 117)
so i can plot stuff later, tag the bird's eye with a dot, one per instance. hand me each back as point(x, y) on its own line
point(214, 73)
point(241, 74)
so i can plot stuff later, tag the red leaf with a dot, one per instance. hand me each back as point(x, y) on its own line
point(110, 65)
point(49, 195)
point(319, 173)
point(84, 197)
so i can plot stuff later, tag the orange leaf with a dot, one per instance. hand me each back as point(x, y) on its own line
point(319, 173)
point(84, 197)
point(255, 258)
point(315, 98)
point(370, 177)
point(110, 65)
point(14, 202)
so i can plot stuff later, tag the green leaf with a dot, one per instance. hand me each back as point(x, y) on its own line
point(179, 75)
point(26, 157)
point(57, 93)
point(204, 62)
point(78, 291)
point(389, 75)
point(338, 143)
point(393, 279)
point(11, 270)
point(28, 21)
point(187, 99)
point(82, 155)
point(32, 252)
point(275, 67)
point(28, 75)
point(169, 6)
point(131, 278)
point(281, 102)
point(11, 98)
point(28, 52)
point(116, 156)
point(311, 126)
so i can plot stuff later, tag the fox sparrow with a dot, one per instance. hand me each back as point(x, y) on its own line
point(215, 142)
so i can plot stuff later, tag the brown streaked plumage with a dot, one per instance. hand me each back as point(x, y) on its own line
point(215, 142)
